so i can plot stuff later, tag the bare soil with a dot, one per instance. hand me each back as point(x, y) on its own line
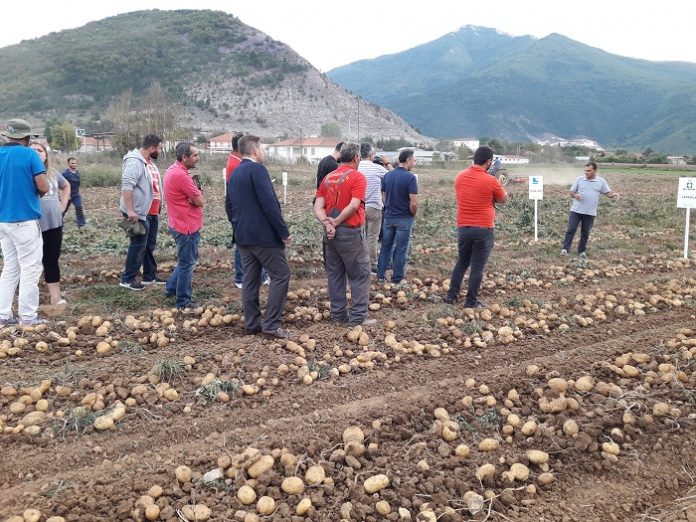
point(624, 317)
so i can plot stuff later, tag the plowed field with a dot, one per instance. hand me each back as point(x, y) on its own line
point(572, 397)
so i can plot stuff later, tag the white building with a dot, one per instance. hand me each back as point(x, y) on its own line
point(511, 160)
point(293, 150)
point(471, 143)
point(221, 144)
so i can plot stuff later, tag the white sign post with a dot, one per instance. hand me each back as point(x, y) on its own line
point(285, 188)
point(224, 179)
point(686, 198)
point(536, 192)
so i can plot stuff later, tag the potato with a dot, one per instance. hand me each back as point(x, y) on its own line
point(518, 472)
point(292, 486)
point(489, 445)
point(529, 428)
point(261, 466)
point(558, 384)
point(198, 512)
point(545, 478)
point(383, 507)
point(103, 348)
point(304, 506)
point(660, 409)
point(315, 474)
point(246, 495)
point(570, 427)
point(450, 431)
point(611, 447)
point(55, 519)
point(32, 515)
point(183, 474)
point(353, 433)
point(462, 451)
point(104, 422)
point(265, 505)
point(155, 491)
point(537, 457)
point(376, 483)
point(441, 414)
point(487, 470)
point(152, 512)
point(584, 383)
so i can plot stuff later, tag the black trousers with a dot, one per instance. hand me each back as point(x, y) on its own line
point(585, 221)
point(52, 243)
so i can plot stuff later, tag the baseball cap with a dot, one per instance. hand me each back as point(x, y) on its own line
point(18, 129)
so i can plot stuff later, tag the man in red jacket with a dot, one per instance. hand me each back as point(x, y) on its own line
point(476, 192)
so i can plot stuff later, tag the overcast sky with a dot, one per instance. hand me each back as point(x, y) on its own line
point(329, 34)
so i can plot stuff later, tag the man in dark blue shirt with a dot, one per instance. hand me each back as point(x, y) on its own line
point(261, 234)
point(400, 196)
point(72, 175)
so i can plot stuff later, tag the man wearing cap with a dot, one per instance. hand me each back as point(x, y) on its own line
point(22, 181)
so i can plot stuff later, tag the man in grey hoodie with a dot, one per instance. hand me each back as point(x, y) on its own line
point(141, 200)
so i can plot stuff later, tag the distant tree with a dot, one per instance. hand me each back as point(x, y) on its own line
point(63, 137)
point(648, 151)
point(331, 129)
point(497, 146)
point(463, 152)
point(158, 112)
point(202, 140)
point(122, 115)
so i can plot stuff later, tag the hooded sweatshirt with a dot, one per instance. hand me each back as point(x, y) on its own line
point(136, 177)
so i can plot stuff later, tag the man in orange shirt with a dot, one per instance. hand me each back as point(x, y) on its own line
point(340, 207)
point(476, 192)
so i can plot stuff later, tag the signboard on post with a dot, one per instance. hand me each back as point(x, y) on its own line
point(536, 187)
point(686, 198)
point(285, 188)
point(536, 192)
point(686, 195)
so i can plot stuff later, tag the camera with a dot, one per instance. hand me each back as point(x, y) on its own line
point(379, 160)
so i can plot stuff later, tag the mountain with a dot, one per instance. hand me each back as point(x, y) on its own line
point(480, 82)
point(221, 74)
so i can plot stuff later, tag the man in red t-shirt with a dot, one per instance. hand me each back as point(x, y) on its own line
point(340, 207)
point(476, 192)
point(185, 219)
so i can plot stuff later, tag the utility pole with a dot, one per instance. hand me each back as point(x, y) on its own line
point(358, 140)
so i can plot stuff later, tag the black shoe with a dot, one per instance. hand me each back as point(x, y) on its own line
point(364, 322)
point(189, 307)
point(155, 281)
point(477, 304)
point(278, 333)
point(253, 331)
point(132, 286)
point(449, 300)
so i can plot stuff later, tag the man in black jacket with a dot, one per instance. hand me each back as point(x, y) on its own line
point(261, 234)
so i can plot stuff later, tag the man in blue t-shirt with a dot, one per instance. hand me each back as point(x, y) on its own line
point(585, 192)
point(400, 195)
point(22, 181)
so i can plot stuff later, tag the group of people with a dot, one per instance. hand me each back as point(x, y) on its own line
point(360, 198)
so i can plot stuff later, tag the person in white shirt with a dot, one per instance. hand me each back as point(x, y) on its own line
point(374, 174)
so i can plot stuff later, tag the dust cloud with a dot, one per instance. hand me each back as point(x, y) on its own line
point(553, 175)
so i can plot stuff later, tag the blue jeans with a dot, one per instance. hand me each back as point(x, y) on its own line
point(396, 236)
point(475, 245)
point(141, 252)
point(76, 199)
point(180, 282)
point(585, 221)
point(239, 268)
